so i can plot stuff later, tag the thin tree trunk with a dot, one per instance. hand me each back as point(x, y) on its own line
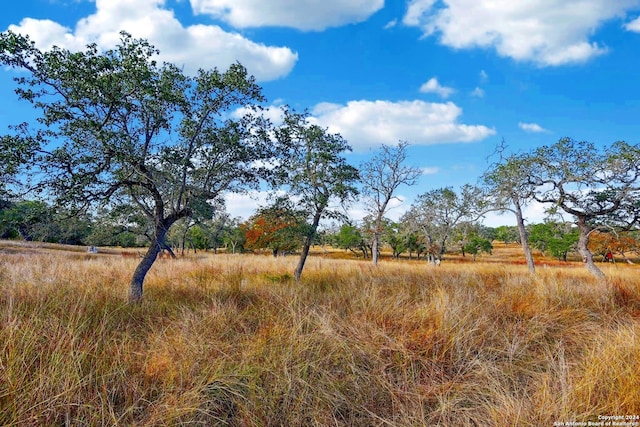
point(374, 247)
point(297, 274)
point(583, 248)
point(524, 239)
point(376, 233)
point(135, 288)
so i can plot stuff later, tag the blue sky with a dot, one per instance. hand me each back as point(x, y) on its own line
point(452, 77)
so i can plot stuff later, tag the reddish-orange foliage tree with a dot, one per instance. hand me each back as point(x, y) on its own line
point(277, 228)
point(622, 244)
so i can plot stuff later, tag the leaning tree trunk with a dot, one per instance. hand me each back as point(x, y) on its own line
point(583, 248)
point(297, 274)
point(135, 287)
point(524, 239)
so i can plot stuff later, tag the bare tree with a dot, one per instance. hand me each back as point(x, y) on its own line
point(437, 212)
point(381, 177)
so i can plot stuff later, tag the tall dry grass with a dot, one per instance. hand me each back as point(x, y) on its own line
point(232, 340)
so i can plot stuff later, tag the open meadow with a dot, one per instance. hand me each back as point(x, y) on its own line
point(233, 340)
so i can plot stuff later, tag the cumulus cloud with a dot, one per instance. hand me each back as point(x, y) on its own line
point(368, 124)
point(533, 213)
point(532, 127)
point(547, 32)
point(433, 86)
point(245, 205)
point(309, 15)
point(633, 25)
point(396, 208)
point(192, 47)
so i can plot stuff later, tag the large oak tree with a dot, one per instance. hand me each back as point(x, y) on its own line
point(117, 127)
point(598, 187)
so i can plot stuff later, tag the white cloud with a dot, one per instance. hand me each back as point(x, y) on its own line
point(390, 24)
point(430, 170)
point(304, 15)
point(367, 124)
point(396, 208)
point(484, 77)
point(547, 32)
point(533, 213)
point(433, 86)
point(193, 47)
point(274, 112)
point(532, 127)
point(633, 25)
point(244, 205)
point(478, 92)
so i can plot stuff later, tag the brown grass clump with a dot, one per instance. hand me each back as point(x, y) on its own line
point(232, 340)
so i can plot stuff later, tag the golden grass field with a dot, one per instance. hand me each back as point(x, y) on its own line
point(232, 340)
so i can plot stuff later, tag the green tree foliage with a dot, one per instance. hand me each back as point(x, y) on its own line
point(15, 156)
point(120, 225)
point(415, 243)
point(29, 220)
point(394, 236)
point(477, 244)
point(234, 236)
point(350, 238)
point(507, 234)
point(116, 127)
point(556, 238)
point(37, 221)
point(469, 232)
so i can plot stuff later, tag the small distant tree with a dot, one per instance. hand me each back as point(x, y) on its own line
point(350, 238)
point(316, 173)
point(469, 232)
point(415, 243)
point(507, 234)
point(394, 237)
point(235, 236)
point(436, 213)
point(556, 238)
point(616, 242)
point(477, 244)
point(381, 177)
point(279, 227)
